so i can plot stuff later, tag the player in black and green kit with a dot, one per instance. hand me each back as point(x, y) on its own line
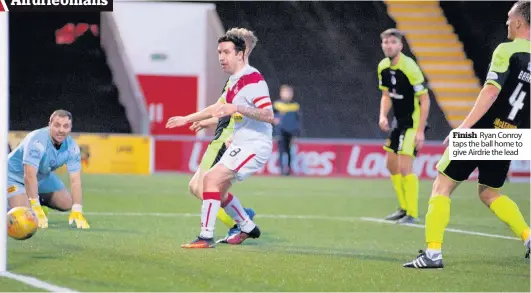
point(503, 103)
point(222, 138)
point(403, 89)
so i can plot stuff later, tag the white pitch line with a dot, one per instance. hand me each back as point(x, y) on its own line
point(375, 220)
point(36, 283)
point(302, 217)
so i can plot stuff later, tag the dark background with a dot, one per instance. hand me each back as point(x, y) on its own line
point(328, 51)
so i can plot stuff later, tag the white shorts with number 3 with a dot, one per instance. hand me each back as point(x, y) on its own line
point(246, 159)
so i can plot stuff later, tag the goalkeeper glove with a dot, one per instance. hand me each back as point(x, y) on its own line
point(76, 215)
point(39, 212)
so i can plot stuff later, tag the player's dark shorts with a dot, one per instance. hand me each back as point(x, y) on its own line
point(46, 200)
point(401, 141)
point(491, 173)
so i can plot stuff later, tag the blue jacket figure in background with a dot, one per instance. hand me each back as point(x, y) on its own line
point(288, 125)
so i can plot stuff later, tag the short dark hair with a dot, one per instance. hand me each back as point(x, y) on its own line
point(522, 8)
point(239, 43)
point(61, 113)
point(392, 32)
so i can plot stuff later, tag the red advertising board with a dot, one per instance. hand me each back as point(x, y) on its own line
point(315, 158)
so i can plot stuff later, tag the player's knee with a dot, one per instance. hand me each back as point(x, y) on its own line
point(438, 188)
point(215, 179)
point(209, 181)
point(20, 200)
point(405, 170)
point(441, 187)
point(65, 205)
point(405, 165)
point(392, 166)
point(487, 195)
point(192, 187)
point(197, 191)
point(61, 201)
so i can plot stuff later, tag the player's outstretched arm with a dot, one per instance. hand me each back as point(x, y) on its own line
point(178, 121)
point(30, 182)
point(486, 98)
point(32, 190)
point(34, 150)
point(204, 114)
point(76, 189)
point(210, 122)
point(265, 115)
point(76, 215)
point(262, 112)
point(385, 107)
point(200, 125)
point(256, 94)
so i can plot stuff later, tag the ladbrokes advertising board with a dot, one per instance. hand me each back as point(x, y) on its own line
point(319, 158)
point(107, 154)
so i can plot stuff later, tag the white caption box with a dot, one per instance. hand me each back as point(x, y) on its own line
point(490, 144)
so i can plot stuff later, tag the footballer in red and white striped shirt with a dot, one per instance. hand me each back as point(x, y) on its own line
point(247, 97)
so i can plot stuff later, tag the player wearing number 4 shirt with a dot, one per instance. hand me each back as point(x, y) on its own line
point(247, 101)
point(502, 103)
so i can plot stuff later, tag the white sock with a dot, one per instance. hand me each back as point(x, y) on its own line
point(234, 208)
point(434, 254)
point(209, 211)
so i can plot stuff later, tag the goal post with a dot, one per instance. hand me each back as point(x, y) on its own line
point(4, 127)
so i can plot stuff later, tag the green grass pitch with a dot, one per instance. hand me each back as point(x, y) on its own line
point(316, 237)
